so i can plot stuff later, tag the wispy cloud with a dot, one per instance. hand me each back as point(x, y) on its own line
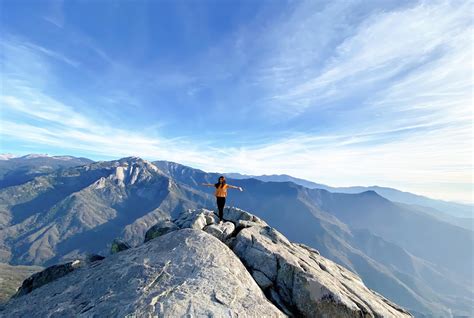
point(54, 55)
point(55, 13)
point(336, 160)
point(65, 129)
point(384, 47)
point(366, 94)
point(398, 88)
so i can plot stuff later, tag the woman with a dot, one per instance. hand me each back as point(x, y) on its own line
point(221, 193)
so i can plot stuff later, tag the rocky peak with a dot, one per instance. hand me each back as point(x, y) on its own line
point(35, 155)
point(133, 169)
point(194, 265)
point(295, 277)
point(126, 171)
point(186, 273)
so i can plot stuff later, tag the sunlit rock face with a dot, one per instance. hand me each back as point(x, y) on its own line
point(185, 272)
point(194, 265)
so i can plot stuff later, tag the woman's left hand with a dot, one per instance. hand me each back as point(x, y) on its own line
point(240, 188)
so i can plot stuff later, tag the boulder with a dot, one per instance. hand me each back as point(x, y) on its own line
point(263, 281)
point(186, 273)
point(209, 219)
point(118, 246)
point(235, 215)
point(241, 224)
point(46, 276)
point(159, 229)
point(303, 283)
point(198, 223)
point(91, 258)
point(196, 219)
point(221, 230)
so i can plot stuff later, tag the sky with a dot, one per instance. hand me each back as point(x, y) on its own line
point(337, 92)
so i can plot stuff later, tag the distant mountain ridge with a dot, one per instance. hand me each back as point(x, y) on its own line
point(78, 210)
point(6, 156)
point(455, 209)
point(16, 170)
point(56, 213)
point(10, 156)
point(37, 161)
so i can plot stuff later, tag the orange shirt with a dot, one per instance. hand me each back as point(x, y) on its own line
point(221, 191)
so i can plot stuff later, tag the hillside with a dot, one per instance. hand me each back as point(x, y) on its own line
point(11, 278)
point(69, 212)
point(18, 170)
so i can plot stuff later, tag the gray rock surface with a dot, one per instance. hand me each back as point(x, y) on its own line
point(186, 273)
point(53, 273)
point(304, 281)
point(263, 281)
point(294, 276)
point(196, 219)
point(46, 276)
point(221, 230)
point(159, 229)
point(243, 224)
point(236, 215)
point(199, 222)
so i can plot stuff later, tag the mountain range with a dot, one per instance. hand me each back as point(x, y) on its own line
point(17, 170)
point(453, 211)
point(407, 252)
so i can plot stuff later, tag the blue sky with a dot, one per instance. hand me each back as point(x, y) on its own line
point(338, 92)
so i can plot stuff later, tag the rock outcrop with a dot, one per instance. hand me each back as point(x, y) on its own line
point(295, 277)
point(184, 268)
point(303, 282)
point(159, 229)
point(118, 246)
point(53, 273)
point(183, 273)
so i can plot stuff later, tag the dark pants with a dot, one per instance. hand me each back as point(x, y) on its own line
point(220, 206)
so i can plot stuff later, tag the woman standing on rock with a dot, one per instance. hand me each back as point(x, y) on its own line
point(221, 193)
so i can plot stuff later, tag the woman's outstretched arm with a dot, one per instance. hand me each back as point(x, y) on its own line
point(207, 184)
point(234, 187)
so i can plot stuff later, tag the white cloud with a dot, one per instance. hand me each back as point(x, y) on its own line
point(425, 164)
point(437, 158)
point(39, 106)
point(413, 129)
point(64, 128)
point(407, 71)
point(385, 45)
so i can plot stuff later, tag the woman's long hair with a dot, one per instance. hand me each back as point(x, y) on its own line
point(218, 184)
